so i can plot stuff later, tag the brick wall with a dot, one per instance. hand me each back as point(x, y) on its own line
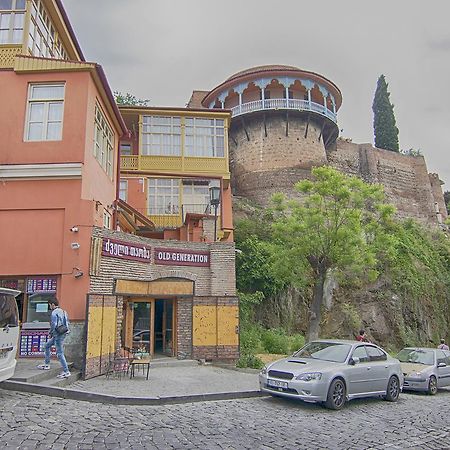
point(184, 328)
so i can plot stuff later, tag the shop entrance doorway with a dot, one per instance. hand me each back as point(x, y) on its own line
point(149, 325)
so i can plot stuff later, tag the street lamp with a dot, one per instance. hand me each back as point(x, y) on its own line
point(214, 199)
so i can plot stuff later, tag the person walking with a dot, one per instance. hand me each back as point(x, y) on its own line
point(443, 345)
point(59, 328)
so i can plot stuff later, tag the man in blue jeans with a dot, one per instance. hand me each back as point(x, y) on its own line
point(57, 318)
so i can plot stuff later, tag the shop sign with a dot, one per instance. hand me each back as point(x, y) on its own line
point(126, 250)
point(45, 284)
point(32, 343)
point(175, 257)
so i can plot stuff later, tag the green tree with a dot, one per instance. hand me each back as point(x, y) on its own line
point(129, 99)
point(337, 225)
point(384, 127)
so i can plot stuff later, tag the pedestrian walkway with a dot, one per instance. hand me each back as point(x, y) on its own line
point(170, 381)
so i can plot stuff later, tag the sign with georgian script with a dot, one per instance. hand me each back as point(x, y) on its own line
point(126, 250)
point(176, 257)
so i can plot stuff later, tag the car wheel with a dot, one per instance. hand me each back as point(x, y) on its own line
point(336, 394)
point(393, 389)
point(432, 385)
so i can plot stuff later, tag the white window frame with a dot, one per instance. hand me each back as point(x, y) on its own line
point(106, 220)
point(46, 102)
point(204, 144)
point(124, 190)
point(171, 201)
point(103, 147)
point(158, 133)
point(12, 26)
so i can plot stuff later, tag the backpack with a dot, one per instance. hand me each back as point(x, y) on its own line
point(62, 328)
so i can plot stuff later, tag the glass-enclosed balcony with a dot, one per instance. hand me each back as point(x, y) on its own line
point(178, 144)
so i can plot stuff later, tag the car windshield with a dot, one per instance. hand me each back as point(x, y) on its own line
point(326, 351)
point(416, 356)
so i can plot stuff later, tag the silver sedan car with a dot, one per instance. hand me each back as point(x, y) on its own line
point(333, 371)
point(425, 369)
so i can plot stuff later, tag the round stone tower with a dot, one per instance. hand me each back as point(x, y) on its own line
point(283, 121)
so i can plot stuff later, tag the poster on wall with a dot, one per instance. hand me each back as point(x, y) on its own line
point(43, 284)
point(32, 343)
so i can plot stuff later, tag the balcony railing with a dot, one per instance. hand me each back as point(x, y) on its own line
point(283, 103)
point(189, 164)
point(173, 216)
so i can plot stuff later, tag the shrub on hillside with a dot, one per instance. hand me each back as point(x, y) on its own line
point(275, 341)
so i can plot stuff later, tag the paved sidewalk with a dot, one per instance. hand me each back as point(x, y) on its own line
point(170, 381)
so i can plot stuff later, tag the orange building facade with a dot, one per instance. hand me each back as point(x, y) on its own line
point(71, 209)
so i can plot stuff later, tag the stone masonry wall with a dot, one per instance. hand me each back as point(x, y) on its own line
point(262, 147)
point(405, 178)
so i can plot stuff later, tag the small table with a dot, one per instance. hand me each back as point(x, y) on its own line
point(144, 362)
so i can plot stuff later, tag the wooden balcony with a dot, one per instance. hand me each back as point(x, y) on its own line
point(175, 164)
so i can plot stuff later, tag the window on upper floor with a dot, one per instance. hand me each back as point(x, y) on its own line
point(163, 196)
point(125, 148)
point(123, 190)
point(204, 137)
point(196, 195)
point(161, 136)
point(290, 93)
point(103, 142)
point(43, 39)
point(107, 220)
point(12, 16)
point(45, 112)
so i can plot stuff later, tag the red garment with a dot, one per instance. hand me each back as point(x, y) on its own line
point(360, 338)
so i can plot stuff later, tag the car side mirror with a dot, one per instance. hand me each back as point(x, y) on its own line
point(354, 360)
point(442, 364)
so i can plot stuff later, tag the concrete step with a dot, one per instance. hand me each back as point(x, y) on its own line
point(27, 371)
point(62, 382)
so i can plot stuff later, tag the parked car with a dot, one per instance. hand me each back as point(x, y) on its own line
point(425, 369)
point(332, 372)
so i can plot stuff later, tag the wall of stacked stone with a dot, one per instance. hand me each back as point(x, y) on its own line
point(405, 178)
point(265, 159)
point(268, 143)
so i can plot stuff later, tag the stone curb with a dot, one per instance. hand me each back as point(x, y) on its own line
point(72, 394)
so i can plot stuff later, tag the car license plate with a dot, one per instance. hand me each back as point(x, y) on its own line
point(276, 383)
point(3, 354)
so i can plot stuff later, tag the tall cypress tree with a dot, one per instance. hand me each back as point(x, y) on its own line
point(384, 128)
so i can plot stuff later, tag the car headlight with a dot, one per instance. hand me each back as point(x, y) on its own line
point(309, 376)
point(263, 370)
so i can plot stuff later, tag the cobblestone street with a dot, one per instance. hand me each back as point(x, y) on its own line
point(30, 421)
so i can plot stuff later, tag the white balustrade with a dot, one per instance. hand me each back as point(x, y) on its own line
point(283, 103)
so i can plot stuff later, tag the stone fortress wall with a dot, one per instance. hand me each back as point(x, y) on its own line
point(270, 152)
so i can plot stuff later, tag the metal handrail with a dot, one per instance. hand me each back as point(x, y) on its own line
point(283, 103)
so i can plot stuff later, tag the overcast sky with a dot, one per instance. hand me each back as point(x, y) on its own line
point(161, 50)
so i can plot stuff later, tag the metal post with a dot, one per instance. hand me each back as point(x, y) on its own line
point(215, 222)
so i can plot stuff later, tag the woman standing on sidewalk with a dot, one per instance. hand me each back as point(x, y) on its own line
point(59, 328)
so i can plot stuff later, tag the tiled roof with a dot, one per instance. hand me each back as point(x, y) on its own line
point(262, 69)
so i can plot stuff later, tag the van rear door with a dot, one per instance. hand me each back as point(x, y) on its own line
point(9, 332)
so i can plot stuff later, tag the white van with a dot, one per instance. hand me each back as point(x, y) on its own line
point(9, 332)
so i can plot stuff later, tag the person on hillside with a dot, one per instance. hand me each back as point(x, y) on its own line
point(443, 345)
point(362, 337)
point(59, 328)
